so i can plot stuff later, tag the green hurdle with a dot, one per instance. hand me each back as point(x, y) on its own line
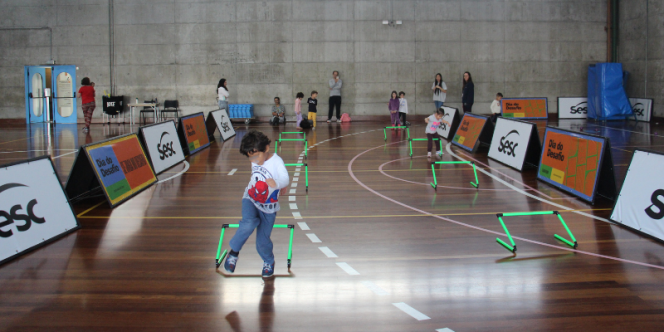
point(476, 184)
point(306, 172)
point(402, 127)
point(423, 139)
point(220, 257)
point(512, 248)
point(304, 139)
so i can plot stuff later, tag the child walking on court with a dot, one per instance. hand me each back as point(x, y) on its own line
point(260, 201)
point(313, 103)
point(403, 108)
point(433, 123)
point(496, 107)
point(298, 109)
point(393, 106)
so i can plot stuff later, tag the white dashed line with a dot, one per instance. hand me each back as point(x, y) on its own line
point(297, 215)
point(292, 198)
point(296, 179)
point(298, 169)
point(348, 269)
point(328, 252)
point(411, 311)
point(292, 191)
point(232, 171)
point(296, 174)
point(293, 206)
point(375, 288)
point(294, 184)
point(303, 226)
point(314, 238)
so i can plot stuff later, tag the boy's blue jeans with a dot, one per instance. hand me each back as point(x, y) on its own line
point(438, 103)
point(253, 218)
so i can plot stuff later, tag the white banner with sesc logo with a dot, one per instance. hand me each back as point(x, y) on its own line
point(642, 108)
point(447, 121)
point(163, 145)
point(33, 207)
point(640, 204)
point(572, 108)
point(224, 124)
point(509, 143)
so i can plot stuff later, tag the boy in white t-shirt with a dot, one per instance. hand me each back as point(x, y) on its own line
point(403, 108)
point(496, 107)
point(260, 201)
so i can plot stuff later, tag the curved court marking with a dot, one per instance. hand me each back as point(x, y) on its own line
point(352, 175)
point(186, 168)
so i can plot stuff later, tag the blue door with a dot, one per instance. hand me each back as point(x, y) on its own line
point(64, 94)
point(35, 102)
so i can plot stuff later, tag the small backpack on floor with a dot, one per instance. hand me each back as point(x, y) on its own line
point(345, 117)
point(305, 124)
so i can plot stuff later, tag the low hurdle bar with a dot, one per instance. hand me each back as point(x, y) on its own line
point(220, 257)
point(433, 170)
point(306, 172)
point(423, 139)
point(512, 248)
point(402, 127)
point(304, 139)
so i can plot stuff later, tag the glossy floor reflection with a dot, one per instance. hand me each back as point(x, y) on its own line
point(147, 265)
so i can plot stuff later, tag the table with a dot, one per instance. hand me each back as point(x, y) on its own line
point(152, 105)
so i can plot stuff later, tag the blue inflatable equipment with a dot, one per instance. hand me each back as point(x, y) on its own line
point(607, 99)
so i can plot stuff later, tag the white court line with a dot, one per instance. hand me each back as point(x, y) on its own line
point(292, 198)
point(303, 226)
point(292, 191)
point(232, 171)
point(296, 174)
point(186, 168)
point(411, 311)
point(314, 238)
point(375, 288)
point(298, 169)
point(348, 269)
point(68, 153)
point(297, 215)
point(329, 253)
point(295, 179)
point(294, 184)
point(444, 330)
point(293, 206)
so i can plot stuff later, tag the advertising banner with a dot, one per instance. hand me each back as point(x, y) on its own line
point(572, 107)
point(574, 162)
point(640, 204)
point(642, 108)
point(514, 143)
point(472, 130)
point(193, 134)
point(219, 120)
point(525, 108)
point(162, 144)
point(34, 209)
point(119, 165)
point(449, 122)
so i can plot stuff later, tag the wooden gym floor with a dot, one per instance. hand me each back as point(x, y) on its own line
point(401, 252)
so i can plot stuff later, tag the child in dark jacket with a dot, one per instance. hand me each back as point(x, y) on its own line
point(393, 106)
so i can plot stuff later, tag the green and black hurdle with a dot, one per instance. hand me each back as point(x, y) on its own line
point(306, 172)
point(475, 184)
point(402, 127)
point(221, 256)
point(512, 248)
point(303, 139)
point(410, 143)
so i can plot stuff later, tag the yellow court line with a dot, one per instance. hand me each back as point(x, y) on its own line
point(88, 210)
point(16, 140)
point(613, 147)
point(335, 217)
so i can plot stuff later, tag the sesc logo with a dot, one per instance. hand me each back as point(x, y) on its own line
point(14, 215)
point(443, 122)
point(165, 150)
point(506, 146)
point(639, 108)
point(580, 108)
point(110, 104)
point(224, 124)
point(657, 200)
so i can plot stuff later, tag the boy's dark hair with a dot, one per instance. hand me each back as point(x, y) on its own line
point(401, 93)
point(299, 95)
point(85, 81)
point(314, 92)
point(440, 111)
point(254, 141)
point(499, 95)
point(277, 98)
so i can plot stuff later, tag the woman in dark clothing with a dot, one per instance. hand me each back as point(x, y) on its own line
point(468, 93)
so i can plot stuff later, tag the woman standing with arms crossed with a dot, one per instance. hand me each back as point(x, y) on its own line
point(439, 91)
point(222, 94)
point(468, 93)
point(87, 93)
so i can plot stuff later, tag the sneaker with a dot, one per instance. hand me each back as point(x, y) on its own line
point(229, 264)
point(328, 121)
point(268, 270)
point(86, 130)
point(428, 154)
point(439, 154)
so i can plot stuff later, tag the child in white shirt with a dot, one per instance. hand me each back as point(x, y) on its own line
point(403, 107)
point(496, 107)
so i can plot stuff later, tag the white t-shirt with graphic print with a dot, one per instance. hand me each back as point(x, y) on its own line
point(433, 124)
point(265, 198)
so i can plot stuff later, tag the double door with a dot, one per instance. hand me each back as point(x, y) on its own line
point(60, 105)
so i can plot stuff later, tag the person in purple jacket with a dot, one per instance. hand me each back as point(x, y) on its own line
point(393, 106)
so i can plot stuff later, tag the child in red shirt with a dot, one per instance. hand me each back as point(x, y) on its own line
point(87, 93)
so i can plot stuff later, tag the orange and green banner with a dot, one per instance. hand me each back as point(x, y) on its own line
point(468, 133)
point(195, 133)
point(525, 108)
point(571, 161)
point(121, 166)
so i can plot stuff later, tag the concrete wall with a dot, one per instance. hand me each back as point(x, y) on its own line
point(641, 49)
point(177, 49)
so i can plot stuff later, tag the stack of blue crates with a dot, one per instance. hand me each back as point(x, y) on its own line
point(241, 111)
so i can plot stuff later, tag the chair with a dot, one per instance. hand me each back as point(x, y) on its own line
point(148, 109)
point(171, 106)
